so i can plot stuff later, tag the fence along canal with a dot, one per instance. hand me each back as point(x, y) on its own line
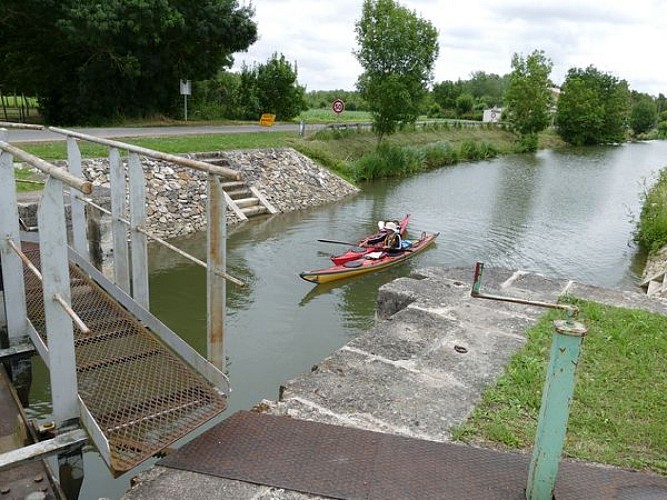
point(115, 370)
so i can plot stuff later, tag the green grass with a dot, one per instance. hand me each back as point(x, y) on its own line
point(651, 233)
point(619, 409)
point(31, 180)
point(180, 144)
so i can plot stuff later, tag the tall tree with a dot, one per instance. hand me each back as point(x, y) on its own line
point(644, 115)
point(88, 60)
point(397, 50)
point(271, 87)
point(446, 92)
point(278, 88)
point(464, 104)
point(487, 86)
point(528, 96)
point(593, 107)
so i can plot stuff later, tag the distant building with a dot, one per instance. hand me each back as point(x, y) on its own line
point(492, 115)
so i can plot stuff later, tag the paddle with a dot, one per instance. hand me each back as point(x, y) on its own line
point(337, 242)
point(397, 250)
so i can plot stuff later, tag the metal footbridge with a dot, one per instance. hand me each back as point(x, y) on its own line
point(116, 371)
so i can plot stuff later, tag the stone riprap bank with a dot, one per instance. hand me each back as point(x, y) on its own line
point(176, 196)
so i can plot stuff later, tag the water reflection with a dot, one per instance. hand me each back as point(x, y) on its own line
point(563, 214)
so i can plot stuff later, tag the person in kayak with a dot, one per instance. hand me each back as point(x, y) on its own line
point(393, 239)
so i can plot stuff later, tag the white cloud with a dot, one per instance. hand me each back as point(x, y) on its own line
point(620, 37)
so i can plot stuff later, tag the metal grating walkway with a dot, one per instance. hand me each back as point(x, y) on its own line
point(139, 392)
point(347, 463)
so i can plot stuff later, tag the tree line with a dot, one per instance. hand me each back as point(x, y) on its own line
point(93, 62)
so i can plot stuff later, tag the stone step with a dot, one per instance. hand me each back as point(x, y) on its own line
point(246, 202)
point(233, 185)
point(654, 286)
point(220, 162)
point(660, 276)
point(239, 194)
point(255, 210)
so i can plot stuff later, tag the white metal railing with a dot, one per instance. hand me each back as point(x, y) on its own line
point(54, 272)
point(130, 265)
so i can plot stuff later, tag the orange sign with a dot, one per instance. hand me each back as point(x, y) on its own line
point(267, 120)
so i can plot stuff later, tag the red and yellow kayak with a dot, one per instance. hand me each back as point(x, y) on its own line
point(372, 261)
point(369, 244)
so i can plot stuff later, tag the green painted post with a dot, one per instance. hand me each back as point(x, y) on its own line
point(477, 280)
point(554, 412)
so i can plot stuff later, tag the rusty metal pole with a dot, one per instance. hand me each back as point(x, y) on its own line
point(216, 287)
point(556, 398)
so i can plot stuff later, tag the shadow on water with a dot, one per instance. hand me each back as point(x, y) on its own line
point(558, 213)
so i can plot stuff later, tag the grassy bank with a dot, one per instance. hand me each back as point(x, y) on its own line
point(651, 231)
point(351, 153)
point(619, 409)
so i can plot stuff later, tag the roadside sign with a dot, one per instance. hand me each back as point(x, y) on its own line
point(186, 90)
point(338, 106)
point(267, 120)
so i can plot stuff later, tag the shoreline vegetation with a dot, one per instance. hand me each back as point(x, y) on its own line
point(651, 234)
point(352, 153)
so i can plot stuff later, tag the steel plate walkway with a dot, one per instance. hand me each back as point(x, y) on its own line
point(142, 396)
point(347, 463)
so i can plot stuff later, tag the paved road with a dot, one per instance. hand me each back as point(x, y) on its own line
point(24, 135)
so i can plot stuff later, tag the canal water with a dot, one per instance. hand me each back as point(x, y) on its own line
point(567, 214)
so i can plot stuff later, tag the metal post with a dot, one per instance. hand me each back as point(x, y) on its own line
point(55, 281)
point(216, 287)
point(78, 206)
point(12, 268)
point(121, 258)
point(477, 279)
point(138, 240)
point(556, 397)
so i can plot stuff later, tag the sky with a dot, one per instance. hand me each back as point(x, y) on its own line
point(627, 39)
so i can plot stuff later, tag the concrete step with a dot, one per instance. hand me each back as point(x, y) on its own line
point(246, 202)
point(654, 286)
point(660, 276)
point(239, 194)
point(233, 185)
point(255, 210)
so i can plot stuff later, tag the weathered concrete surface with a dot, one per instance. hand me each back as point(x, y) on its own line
point(417, 373)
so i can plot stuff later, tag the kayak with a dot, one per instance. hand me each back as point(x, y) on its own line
point(372, 261)
point(369, 244)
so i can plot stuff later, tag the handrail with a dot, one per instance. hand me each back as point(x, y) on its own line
point(166, 244)
point(186, 162)
point(61, 174)
point(21, 125)
point(57, 297)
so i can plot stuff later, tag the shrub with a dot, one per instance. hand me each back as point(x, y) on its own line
point(527, 143)
point(651, 233)
point(440, 155)
point(388, 161)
